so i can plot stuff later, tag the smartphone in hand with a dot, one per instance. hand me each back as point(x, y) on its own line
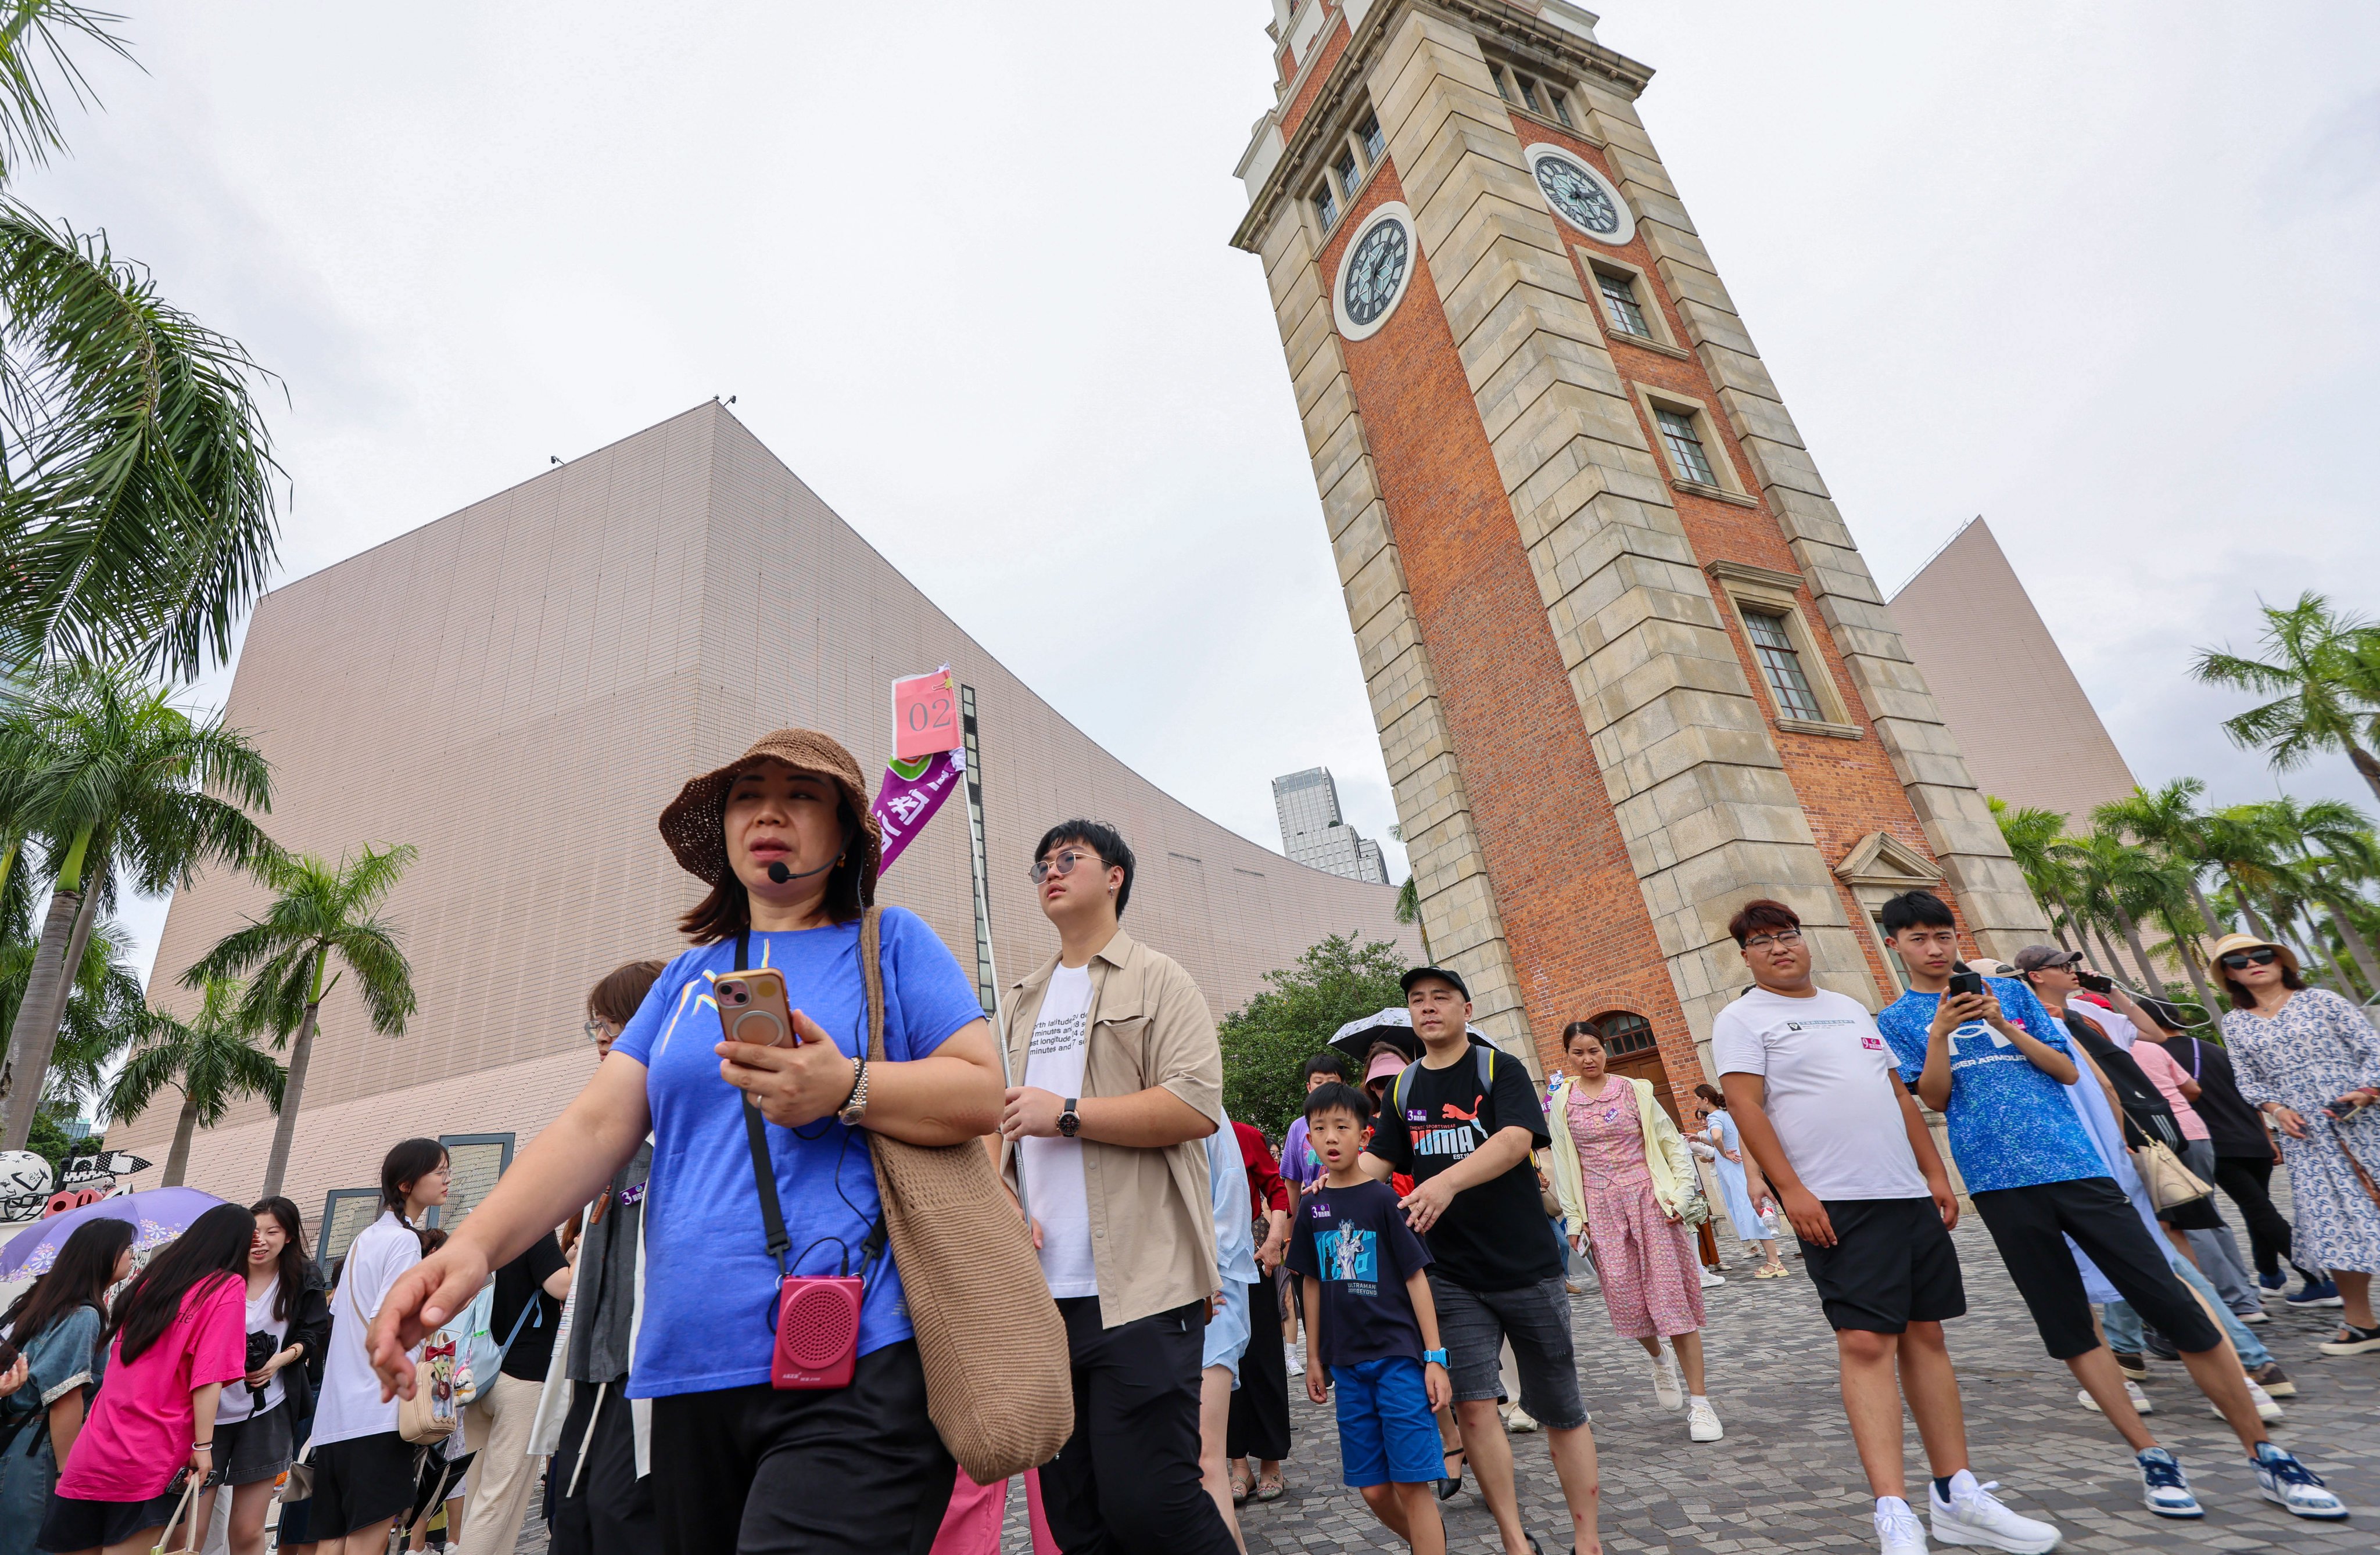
point(2337, 1111)
point(1966, 982)
point(2096, 983)
point(752, 1009)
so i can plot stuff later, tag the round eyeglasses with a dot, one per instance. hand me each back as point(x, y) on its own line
point(1061, 864)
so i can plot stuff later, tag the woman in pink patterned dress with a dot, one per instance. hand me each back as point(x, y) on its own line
point(1626, 1181)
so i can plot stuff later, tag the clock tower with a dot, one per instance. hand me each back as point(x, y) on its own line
point(1628, 666)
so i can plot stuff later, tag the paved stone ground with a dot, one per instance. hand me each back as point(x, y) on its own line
point(1786, 1477)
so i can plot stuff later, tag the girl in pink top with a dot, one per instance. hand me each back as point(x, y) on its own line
point(180, 1335)
point(2174, 1080)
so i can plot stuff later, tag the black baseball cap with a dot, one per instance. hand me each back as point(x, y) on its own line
point(1415, 975)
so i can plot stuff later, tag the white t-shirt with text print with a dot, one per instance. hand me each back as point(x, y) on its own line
point(1053, 1167)
point(1829, 1075)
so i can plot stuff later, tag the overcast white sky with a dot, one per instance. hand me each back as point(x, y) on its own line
point(2105, 275)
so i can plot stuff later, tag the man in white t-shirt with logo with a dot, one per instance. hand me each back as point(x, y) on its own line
point(1814, 1091)
point(1121, 1080)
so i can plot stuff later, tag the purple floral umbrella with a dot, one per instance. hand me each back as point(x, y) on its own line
point(157, 1216)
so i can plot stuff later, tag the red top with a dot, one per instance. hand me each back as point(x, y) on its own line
point(1266, 1190)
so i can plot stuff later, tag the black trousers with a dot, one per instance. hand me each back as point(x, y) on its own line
point(853, 1471)
point(1127, 1482)
point(2248, 1180)
point(1259, 1423)
point(2029, 1227)
point(611, 1510)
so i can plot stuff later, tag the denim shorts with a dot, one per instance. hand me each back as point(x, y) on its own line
point(1472, 1325)
point(1386, 1435)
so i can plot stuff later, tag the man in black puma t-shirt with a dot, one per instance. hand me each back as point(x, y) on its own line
point(1463, 1122)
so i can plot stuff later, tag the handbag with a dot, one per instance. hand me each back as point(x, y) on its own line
point(181, 1511)
point(2170, 1184)
point(998, 1376)
point(297, 1480)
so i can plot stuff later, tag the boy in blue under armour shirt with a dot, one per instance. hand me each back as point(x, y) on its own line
point(1370, 1321)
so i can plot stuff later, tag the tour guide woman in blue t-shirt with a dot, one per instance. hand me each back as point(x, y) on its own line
point(737, 1465)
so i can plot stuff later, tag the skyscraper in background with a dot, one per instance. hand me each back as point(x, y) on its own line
point(1313, 831)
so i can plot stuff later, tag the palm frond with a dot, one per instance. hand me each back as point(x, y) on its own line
point(139, 518)
point(35, 65)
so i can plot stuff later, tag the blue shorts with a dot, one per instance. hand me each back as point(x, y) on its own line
point(1386, 1435)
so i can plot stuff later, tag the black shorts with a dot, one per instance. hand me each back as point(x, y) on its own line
point(1891, 1265)
point(78, 1525)
point(2029, 1227)
point(759, 1472)
point(361, 1481)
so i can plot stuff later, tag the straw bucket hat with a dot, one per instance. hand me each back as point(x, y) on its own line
point(2230, 943)
point(694, 823)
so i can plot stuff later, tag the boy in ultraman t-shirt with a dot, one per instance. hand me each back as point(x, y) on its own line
point(1817, 1098)
point(1371, 1322)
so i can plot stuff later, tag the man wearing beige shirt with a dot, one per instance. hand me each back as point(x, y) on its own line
point(1122, 1079)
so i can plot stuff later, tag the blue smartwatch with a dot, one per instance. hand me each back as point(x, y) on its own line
point(1428, 1357)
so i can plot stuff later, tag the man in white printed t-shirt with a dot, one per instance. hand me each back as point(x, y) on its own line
point(1814, 1091)
point(1121, 1080)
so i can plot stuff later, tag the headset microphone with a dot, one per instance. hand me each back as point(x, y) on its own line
point(779, 875)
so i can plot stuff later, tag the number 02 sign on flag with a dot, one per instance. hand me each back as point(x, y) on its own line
point(925, 715)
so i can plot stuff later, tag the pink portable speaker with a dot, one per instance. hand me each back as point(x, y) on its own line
point(818, 1331)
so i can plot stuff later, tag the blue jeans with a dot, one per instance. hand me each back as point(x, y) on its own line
point(2122, 1325)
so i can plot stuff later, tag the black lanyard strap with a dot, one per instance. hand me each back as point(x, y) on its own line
point(764, 1172)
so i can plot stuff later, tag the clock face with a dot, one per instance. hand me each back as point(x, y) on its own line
point(1375, 270)
point(1376, 273)
point(1581, 196)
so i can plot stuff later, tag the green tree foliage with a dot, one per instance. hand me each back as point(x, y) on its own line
point(212, 1059)
point(2321, 670)
point(1268, 1039)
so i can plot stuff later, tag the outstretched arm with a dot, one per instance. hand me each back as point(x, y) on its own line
point(561, 1169)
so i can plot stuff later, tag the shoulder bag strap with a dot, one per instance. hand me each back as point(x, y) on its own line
point(871, 985)
point(1403, 1086)
point(536, 1309)
point(764, 1173)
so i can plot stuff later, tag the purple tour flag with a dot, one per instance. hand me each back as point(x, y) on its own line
point(912, 790)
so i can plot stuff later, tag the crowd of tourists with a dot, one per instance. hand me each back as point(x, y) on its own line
point(637, 1299)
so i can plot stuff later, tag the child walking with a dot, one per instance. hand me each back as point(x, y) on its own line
point(1369, 1319)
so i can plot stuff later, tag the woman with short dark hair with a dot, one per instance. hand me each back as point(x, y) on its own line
point(783, 840)
point(2310, 1062)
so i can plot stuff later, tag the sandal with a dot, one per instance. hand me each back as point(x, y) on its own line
point(1270, 1488)
point(1240, 1487)
point(1450, 1486)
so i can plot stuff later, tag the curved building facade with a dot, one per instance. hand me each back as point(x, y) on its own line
point(517, 689)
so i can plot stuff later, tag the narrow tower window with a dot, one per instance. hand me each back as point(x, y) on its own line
point(1619, 301)
point(1496, 74)
point(1686, 446)
point(1781, 663)
point(1561, 109)
point(1376, 145)
point(1345, 168)
point(1528, 93)
point(1326, 205)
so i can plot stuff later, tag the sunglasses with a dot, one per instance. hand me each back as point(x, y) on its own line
point(2241, 961)
point(1060, 865)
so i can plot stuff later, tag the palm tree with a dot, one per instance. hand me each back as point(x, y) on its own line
point(122, 783)
point(2348, 859)
point(2322, 674)
point(214, 1061)
point(318, 914)
point(137, 510)
point(1409, 898)
point(2032, 836)
point(2167, 820)
point(103, 1013)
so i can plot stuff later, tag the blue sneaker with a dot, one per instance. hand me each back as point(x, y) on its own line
point(2164, 1490)
point(2274, 1281)
point(2317, 1293)
point(2296, 1488)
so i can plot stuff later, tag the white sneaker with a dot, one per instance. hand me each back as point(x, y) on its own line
point(2293, 1486)
point(1712, 1277)
point(1667, 1390)
point(2267, 1410)
point(1973, 1515)
point(1519, 1421)
point(1898, 1531)
point(2141, 1404)
point(1701, 1421)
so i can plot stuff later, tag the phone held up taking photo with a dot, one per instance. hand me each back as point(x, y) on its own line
point(1965, 980)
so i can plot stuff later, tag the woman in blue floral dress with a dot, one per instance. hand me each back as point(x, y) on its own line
point(2304, 1056)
